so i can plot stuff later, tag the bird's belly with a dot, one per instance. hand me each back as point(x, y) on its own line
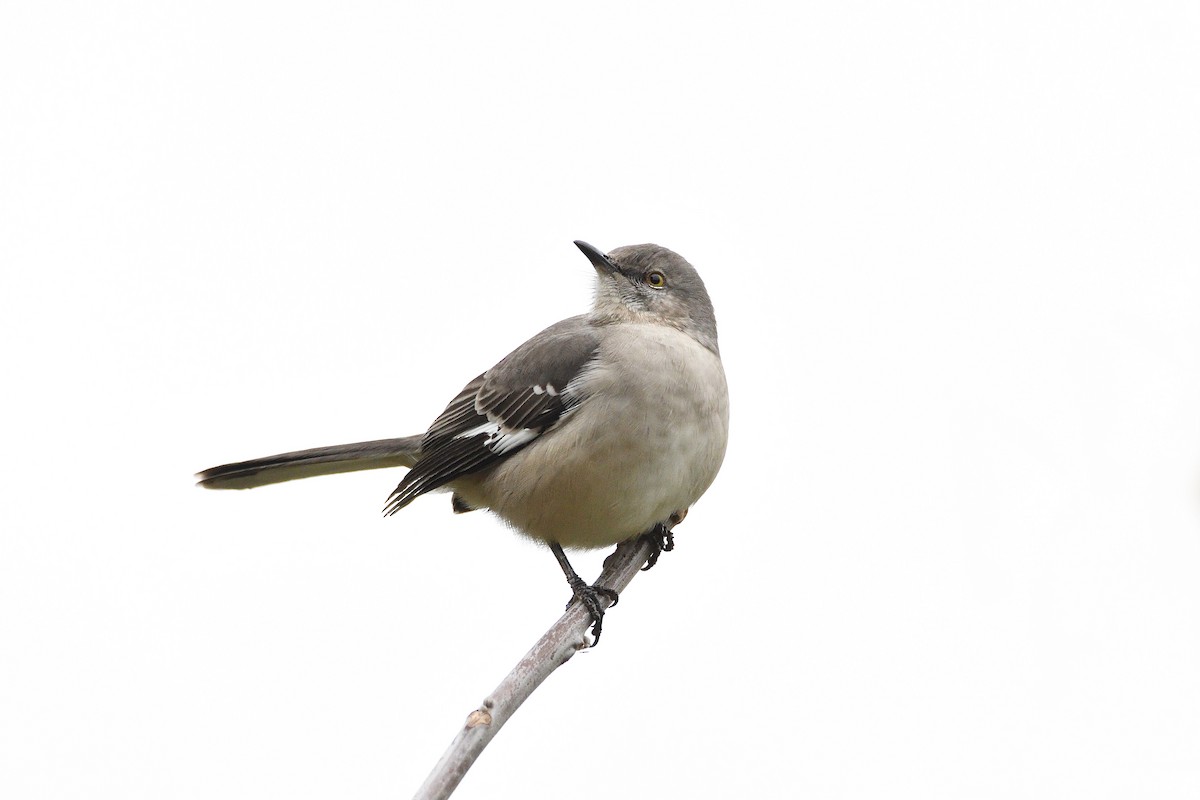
point(634, 454)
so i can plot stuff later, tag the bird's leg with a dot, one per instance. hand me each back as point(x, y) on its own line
point(581, 591)
point(662, 537)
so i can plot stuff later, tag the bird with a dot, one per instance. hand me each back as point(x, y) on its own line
point(601, 428)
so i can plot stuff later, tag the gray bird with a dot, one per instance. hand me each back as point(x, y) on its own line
point(599, 429)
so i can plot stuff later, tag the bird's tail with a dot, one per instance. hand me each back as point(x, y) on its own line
point(310, 463)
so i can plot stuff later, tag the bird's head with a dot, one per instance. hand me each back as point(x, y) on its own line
point(651, 284)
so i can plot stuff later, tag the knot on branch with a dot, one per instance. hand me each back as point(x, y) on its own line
point(478, 717)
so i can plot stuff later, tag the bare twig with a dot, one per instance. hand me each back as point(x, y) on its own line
point(555, 648)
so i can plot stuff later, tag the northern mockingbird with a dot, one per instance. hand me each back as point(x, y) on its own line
point(601, 428)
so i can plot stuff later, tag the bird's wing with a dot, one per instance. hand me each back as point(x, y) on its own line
point(529, 392)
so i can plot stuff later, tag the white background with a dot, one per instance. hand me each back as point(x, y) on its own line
point(953, 247)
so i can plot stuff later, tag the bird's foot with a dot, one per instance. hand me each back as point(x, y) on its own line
point(590, 597)
point(662, 538)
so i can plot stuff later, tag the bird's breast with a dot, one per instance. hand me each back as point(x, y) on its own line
point(646, 440)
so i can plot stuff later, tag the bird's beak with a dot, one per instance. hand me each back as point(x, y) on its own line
point(601, 262)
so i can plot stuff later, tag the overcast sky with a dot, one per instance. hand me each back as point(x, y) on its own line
point(953, 247)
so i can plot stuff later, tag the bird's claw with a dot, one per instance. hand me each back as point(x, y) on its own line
point(590, 596)
point(661, 538)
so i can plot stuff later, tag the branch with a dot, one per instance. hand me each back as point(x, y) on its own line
point(565, 638)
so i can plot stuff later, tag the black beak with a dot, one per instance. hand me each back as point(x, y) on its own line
point(601, 262)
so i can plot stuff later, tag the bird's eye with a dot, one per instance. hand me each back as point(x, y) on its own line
point(655, 279)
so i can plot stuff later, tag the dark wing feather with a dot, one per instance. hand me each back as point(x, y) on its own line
point(460, 415)
point(502, 410)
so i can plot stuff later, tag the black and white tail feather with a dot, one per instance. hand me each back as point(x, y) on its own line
point(377, 454)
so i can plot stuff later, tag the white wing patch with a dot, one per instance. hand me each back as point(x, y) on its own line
point(499, 439)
